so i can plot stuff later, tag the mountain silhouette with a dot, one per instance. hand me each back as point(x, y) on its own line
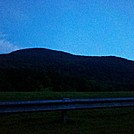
point(40, 69)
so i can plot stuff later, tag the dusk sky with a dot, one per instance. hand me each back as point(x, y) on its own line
point(82, 27)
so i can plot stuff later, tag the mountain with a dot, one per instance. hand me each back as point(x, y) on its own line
point(40, 69)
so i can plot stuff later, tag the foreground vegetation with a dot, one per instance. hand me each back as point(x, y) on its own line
point(96, 121)
point(4, 96)
point(93, 121)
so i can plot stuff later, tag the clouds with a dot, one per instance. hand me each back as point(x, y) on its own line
point(5, 45)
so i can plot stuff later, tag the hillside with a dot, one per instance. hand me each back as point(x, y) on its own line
point(43, 69)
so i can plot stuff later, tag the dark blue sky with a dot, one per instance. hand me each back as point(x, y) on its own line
point(85, 27)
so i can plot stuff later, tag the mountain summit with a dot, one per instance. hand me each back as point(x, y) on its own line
point(44, 69)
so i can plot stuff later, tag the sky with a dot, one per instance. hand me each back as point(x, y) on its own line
point(82, 27)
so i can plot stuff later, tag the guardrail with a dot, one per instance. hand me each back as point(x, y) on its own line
point(64, 105)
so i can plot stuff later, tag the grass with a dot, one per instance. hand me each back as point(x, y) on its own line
point(95, 121)
point(5, 96)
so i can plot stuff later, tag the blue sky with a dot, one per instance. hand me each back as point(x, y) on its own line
point(84, 27)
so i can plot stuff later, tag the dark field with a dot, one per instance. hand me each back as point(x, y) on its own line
point(95, 121)
point(59, 95)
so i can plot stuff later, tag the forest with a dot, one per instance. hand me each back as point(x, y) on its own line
point(40, 69)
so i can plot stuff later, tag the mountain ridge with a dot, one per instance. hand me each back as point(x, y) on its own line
point(46, 49)
point(40, 68)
